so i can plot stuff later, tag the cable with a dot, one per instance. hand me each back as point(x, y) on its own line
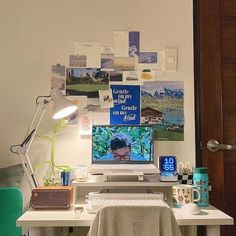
point(45, 101)
point(26, 140)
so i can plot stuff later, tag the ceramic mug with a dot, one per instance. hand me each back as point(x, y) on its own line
point(183, 194)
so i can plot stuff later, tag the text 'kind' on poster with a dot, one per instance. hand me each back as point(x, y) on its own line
point(126, 108)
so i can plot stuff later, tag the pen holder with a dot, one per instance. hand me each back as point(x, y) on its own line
point(185, 178)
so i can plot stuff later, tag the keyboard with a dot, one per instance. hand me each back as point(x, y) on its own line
point(94, 205)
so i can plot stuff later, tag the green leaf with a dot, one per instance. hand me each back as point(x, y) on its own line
point(60, 125)
point(63, 167)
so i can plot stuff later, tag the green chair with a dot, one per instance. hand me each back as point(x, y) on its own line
point(10, 211)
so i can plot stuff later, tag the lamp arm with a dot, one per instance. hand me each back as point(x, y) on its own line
point(63, 108)
point(23, 149)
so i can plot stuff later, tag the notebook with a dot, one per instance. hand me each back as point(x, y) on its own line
point(122, 150)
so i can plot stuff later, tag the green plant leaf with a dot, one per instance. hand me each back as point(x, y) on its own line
point(60, 125)
point(63, 167)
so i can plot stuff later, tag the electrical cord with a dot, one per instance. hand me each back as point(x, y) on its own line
point(45, 101)
point(70, 231)
point(26, 140)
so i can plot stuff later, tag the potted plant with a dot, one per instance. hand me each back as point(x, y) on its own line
point(52, 177)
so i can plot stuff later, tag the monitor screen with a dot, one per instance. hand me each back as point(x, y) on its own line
point(122, 144)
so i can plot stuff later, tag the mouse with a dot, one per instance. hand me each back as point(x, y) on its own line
point(191, 208)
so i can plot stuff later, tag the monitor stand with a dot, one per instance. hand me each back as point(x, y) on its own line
point(121, 173)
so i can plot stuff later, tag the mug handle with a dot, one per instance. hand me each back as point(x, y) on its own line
point(198, 195)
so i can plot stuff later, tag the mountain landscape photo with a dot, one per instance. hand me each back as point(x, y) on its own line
point(167, 99)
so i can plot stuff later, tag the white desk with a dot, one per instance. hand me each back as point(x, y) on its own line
point(211, 217)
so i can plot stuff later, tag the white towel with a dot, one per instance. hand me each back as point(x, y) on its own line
point(134, 221)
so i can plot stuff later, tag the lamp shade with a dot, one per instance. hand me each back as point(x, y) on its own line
point(62, 107)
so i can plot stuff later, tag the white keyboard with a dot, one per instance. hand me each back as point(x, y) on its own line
point(95, 204)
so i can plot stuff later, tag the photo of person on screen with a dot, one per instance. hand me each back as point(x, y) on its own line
point(120, 149)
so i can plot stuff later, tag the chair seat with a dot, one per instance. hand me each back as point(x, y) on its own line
point(134, 221)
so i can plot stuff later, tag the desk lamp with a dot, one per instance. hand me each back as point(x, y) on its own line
point(62, 108)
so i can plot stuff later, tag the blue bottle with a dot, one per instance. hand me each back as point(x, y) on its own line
point(201, 181)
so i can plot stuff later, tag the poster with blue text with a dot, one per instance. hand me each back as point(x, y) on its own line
point(126, 108)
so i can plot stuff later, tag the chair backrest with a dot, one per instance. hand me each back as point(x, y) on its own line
point(134, 221)
point(10, 210)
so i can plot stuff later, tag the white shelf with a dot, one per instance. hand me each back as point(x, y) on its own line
point(148, 181)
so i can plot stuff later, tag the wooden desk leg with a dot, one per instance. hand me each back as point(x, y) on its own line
point(213, 230)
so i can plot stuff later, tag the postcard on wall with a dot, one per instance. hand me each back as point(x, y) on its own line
point(121, 44)
point(162, 105)
point(147, 57)
point(58, 77)
point(148, 62)
point(146, 75)
point(80, 101)
point(92, 50)
point(58, 69)
point(131, 77)
point(126, 108)
point(85, 122)
point(57, 82)
point(105, 97)
point(86, 81)
point(124, 63)
point(107, 59)
point(116, 77)
point(77, 60)
point(134, 40)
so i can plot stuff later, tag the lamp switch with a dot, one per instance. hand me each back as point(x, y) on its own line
point(171, 56)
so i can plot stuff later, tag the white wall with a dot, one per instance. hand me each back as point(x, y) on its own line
point(36, 34)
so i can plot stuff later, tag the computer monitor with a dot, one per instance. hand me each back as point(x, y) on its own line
point(128, 144)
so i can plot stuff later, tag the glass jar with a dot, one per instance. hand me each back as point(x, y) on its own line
point(201, 181)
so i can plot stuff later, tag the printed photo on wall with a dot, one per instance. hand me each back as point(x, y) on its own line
point(58, 77)
point(86, 81)
point(92, 50)
point(116, 76)
point(147, 57)
point(131, 77)
point(107, 59)
point(77, 60)
point(162, 105)
point(134, 39)
point(85, 122)
point(80, 101)
point(126, 99)
point(146, 75)
point(121, 44)
point(152, 61)
point(124, 63)
point(105, 98)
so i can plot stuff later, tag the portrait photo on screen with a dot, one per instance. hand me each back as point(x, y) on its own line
point(122, 144)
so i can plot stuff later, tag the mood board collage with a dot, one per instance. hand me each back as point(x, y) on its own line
point(126, 81)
